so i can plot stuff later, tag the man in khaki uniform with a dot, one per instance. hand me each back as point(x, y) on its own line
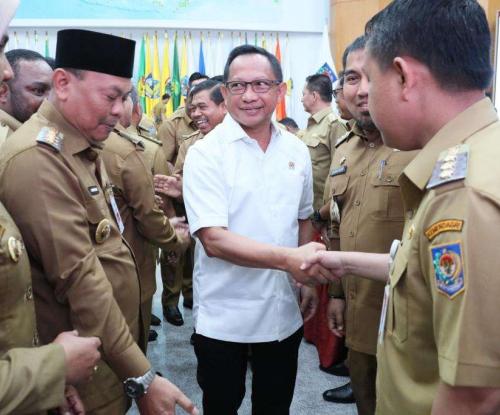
point(366, 195)
point(207, 110)
point(159, 113)
point(146, 226)
point(178, 125)
point(21, 96)
point(84, 275)
point(323, 130)
point(33, 378)
point(438, 347)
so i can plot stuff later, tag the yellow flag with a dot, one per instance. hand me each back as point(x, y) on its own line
point(166, 87)
point(149, 77)
point(184, 70)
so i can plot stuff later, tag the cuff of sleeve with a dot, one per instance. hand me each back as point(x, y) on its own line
point(462, 374)
point(306, 213)
point(335, 289)
point(130, 363)
point(207, 222)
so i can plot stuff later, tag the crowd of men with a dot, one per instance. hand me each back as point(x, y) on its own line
point(392, 203)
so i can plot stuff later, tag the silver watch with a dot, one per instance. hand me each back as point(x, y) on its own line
point(137, 387)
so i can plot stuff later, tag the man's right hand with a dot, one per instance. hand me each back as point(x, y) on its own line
point(315, 273)
point(335, 316)
point(81, 356)
point(162, 397)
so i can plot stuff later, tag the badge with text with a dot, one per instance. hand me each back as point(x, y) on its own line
point(448, 225)
point(115, 209)
point(338, 171)
point(448, 269)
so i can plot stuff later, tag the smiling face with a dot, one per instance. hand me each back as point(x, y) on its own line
point(253, 111)
point(31, 85)
point(93, 103)
point(356, 90)
point(205, 113)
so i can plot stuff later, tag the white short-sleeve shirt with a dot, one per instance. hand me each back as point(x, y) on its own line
point(230, 182)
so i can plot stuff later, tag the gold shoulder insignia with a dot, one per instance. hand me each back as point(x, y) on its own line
point(342, 138)
point(190, 135)
point(450, 166)
point(51, 137)
point(152, 139)
point(135, 141)
point(332, 118)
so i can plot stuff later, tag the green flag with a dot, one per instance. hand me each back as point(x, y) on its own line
point(141, 77)
point(176, 79)
point(47, 52)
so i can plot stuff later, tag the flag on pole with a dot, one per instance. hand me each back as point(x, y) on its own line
point(201, 59)
point(141, 75)
point(263, 42)
point(154, 82)
point(148, 76)
point(176, 80)
point(47, 50)
point(190, 56)
point(209, 56)
point(255, 42)
point(166, 84)
point(281, 107)
point(219, 56)
point(325, 61)
point(287, 75)
point(184, 70)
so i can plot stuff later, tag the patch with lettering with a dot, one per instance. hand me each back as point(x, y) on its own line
point(338, 171)
point(447, 225)
point(448, 269)
point(93, 190)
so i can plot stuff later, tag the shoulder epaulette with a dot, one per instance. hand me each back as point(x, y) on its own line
point(342, 138)
point(190, 135)
point(450, 166)
point(135, 141)
point(51, 137)
point(332, 118)
point(153, 140)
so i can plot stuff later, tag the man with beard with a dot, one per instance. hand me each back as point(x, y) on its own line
point(21, 96)
point(368, 214)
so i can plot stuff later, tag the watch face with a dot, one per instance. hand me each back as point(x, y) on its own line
point(133, 389)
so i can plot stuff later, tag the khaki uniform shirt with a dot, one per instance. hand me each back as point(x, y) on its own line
point(32, 379)
point(145, 223)
point(189, 140)
point(444, 286)
point(8, 124)
point(365, 188)
point(159, 113)
point(172, 132)
point(146, 128)
point(323, 130)
point(84, 275)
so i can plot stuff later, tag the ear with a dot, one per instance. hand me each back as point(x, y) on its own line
point(4, 93)
point(224, 92)
point(282, 88)
point(407, 76)
point(61, 83)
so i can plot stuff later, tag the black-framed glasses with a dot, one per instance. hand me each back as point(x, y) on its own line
point(259, 86)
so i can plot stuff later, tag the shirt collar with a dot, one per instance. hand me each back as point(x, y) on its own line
point(233, 131)
point(73, 141)
point(320, 115)
point(9, 120)
point(475, 118)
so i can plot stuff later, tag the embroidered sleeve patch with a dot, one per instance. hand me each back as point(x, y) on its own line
point(448, 269)
point(448, 225)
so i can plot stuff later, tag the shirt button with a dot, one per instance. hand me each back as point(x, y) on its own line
point(29, 293)
point(351, 233)
point(371, 145)
point(409, 214)
point(389, 179)
point(357, 203)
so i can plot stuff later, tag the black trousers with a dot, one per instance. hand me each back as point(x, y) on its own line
point(222, 369)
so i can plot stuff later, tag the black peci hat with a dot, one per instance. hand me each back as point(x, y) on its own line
point(94, 51)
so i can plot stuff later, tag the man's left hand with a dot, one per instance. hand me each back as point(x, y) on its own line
point(309, 301)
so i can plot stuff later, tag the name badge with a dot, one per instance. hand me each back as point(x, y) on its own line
point(338, 171)
point(116, 211)
point(383, 315)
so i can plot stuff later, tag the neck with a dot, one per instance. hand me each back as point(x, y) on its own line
point(320, 106)
point(441, 109)
point(260, 134)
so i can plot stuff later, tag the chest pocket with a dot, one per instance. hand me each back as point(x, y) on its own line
point(397, 319)
point(339, 186)
point(387, 203)
point(102, 229)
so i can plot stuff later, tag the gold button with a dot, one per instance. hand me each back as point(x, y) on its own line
point(29, 293)
point(363, 173)
point(357, 203)
point(103, 231)
point(371, 145)
point(389, 179)
point(15, 248)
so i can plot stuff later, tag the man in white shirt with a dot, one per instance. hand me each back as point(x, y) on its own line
point(248, 195)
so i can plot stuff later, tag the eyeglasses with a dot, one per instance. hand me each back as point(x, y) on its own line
point(259, 86)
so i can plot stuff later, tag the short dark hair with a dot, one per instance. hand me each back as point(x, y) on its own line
point(253, 50)
point(289, 122)
point(218, 78)
point(166, 95)
point(358, 44)
point(15, 55)
point(450, 37)
point(195, 76)
point(321, 84)
point(214, 88)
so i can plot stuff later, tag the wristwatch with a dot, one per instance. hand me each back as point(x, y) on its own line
point(137, 387)
point(316, 217)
